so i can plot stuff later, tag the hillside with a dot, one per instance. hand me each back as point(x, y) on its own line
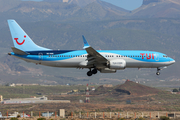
point(6, 5)
point(80, 10)
point(158, 9)
point(146, 2)
point(128, 88)
point(58, 11)
point(80, 3)
point(136, 89)
point(103, 103)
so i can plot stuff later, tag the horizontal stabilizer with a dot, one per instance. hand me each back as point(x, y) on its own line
point(17, 51)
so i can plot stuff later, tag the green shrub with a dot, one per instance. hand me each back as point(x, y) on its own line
point(121, 119)
point(175, 90)
point(140, 118)
point(41, 119)
point(18, 116)
point(164, 118)
point(14, 118)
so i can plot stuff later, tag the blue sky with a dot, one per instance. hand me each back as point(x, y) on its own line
point(126, 4)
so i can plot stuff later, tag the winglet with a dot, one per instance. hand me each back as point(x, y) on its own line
point(86, 45)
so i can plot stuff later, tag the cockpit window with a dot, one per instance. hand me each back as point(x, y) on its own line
point(165, 56)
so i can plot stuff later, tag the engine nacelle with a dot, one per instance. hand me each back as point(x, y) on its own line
point(107, 70)
point(117, 64)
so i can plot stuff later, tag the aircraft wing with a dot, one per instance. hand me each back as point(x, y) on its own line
point(94, 58)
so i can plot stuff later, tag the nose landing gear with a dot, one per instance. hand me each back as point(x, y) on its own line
point(158, 73)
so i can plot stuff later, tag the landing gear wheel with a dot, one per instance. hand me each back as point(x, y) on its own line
point(89, 73)
point(157, 73)
point(94, 71)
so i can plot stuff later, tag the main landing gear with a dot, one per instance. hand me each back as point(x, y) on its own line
point(90, 73)
point(158, 73)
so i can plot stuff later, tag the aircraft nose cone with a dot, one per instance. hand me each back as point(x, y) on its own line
point(172, 61)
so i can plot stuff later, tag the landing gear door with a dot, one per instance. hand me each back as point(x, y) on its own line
point(40, 56)
point(156, 57)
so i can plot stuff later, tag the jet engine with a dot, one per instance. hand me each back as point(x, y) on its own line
point(107, 70)
point(117, 64)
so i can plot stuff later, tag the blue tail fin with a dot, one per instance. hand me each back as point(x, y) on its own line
point(20, 39)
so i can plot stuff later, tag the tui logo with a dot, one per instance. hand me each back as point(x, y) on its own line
point(16, 39)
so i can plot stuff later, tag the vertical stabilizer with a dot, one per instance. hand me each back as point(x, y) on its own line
point(20, 39)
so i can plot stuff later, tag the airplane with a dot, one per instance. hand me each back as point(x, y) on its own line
point(104, 61)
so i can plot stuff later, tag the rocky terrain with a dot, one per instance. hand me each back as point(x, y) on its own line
point(129, 96)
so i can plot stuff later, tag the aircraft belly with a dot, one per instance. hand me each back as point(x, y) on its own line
point(72, 62)
point(141, 64)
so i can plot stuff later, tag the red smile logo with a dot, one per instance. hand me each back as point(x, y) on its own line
point(16, 39)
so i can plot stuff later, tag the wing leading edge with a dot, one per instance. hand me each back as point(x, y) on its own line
point(94, 57)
